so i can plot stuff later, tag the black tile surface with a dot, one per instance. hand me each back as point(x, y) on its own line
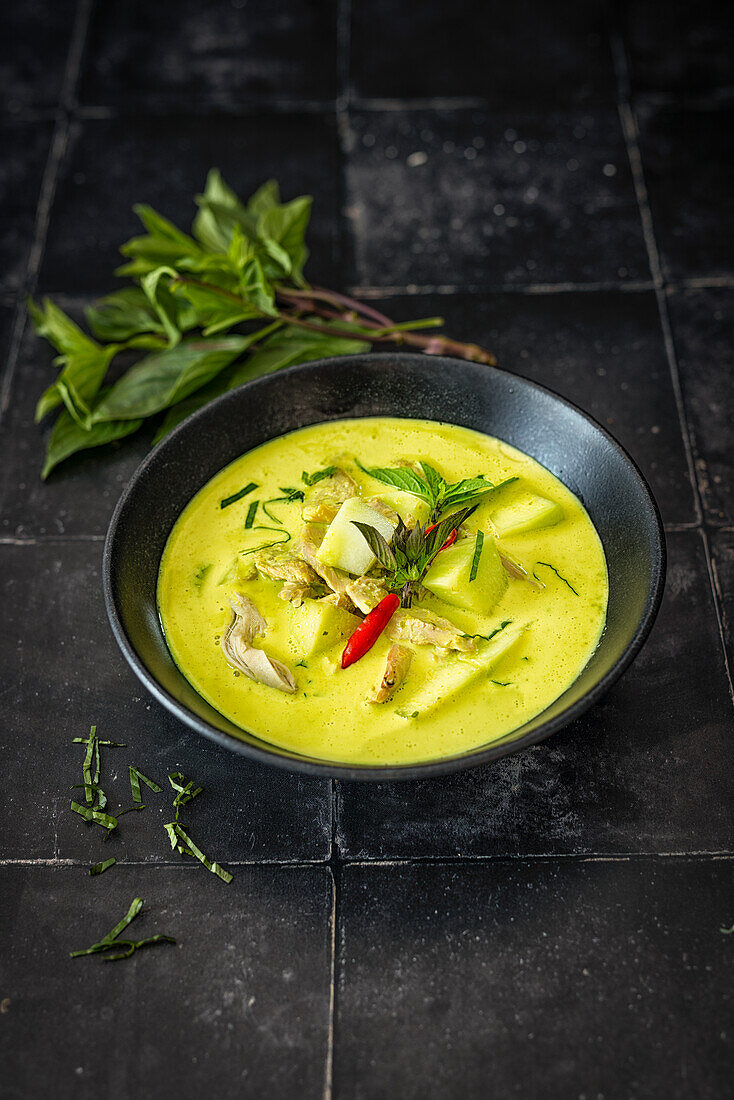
point(25, 149)
point(603, 351)
point(163, 161)
point(689, 170)
point(238, 1007)
point(687, 50)
point(195, 55)
point(539, 979)
point(722, 552)
point(527, 51)
point(703, 330)
point(33, 53)
point(646, 770)
point(62, 671)
point(81, 493)
point(471, 197)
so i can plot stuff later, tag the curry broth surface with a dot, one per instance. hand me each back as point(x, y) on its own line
point(328, 717)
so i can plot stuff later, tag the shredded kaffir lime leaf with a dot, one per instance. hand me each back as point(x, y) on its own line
point(477, 555)
point(110, 942)
point(94, 796)
point(182, 842)
point(100, 868)
point(97, 817)
point(184, 789)
point(135, 778)
point(238, 496)
point(548, 566)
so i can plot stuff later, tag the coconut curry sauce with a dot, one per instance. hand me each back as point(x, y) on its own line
point(277, 561)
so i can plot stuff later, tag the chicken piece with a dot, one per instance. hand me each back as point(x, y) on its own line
point(247, 623)
point(338, 487)
point(296, 593)
point(366, 592)
point(285, 567)
point(384, 509)
point(396, 669)
point(320, 511)
point(340, 600)
point(425, 628)
point(307, 545)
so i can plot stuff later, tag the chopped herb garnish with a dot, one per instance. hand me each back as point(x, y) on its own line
point(547, 566)
point(407, 714)
point(501, 683)
point(488, 637)
point(200, 575)
point(238, 496)
point(100, 868)
point(184, 789)
point(97, 817)
point(251, 512)
point(110, 942)
point(289, 496)
point(94, 796)
point(477, 555)
point(314, 479)
point(302, 664)
point(727, 931)
point(183, 843)
point(131, 809)
point(135, 778)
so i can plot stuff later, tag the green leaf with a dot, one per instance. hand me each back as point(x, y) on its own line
point(403, 477)
point(67, 437)
point(219, 212)
point(478, 546)
point(135, 779)
point(163, 379)
point(314, 479)
point(96, 817)
point(164, 244)
point(122, 315)
point(162, 301)
point(435, 482)
point(84, 362)
point(377, 543)
point(135, 906)
point(287, 225)
point(265, 198)
point(183, 843)
point(184, 789)
point(256, 290)
point(291, 345)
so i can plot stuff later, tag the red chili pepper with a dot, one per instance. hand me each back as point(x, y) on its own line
point(370, 630)
point(449, 541)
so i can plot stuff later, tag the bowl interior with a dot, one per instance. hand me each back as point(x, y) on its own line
point(531, 418)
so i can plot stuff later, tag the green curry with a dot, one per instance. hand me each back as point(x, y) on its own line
point(471, 582)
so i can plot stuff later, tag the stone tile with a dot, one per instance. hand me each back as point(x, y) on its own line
point(547, 979)
point(687, 51)
point(603, 351)
point(722, 553)
point(646, 770)
point(195, 56)
point(529, 51)
point(241, 1002)
point(62, 671)
point(473, 197)
point(703, 331)
point(689, 170)
point(33, 53)
point(25, 149)
point(163, 161)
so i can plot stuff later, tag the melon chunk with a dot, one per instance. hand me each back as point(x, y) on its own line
point(526, 513)
point(448, 576)
point(344, 546)
point(317, 625)
point(459, 673)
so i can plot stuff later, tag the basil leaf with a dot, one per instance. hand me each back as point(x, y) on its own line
point(219, 211)
point(435, 482)
point(84, 362)
point(403, 478)
point(121, 315)
point(286, 225)
point(377, 543)
point(265, 198)
point(438, 536)
point(256, 290)
point(164, 244)
point(162, 301)
point(163, 379)
point(290, 345)
point(67, 437)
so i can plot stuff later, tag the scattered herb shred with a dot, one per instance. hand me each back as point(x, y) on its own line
point(548, 566)
point(238, 496)
point(184, 789)
point(182, 842)
point(135, 778)
point(100, 868)
point(110, 942)
point(251, 513)
point(314, 479)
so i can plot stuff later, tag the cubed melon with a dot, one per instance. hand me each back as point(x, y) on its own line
point(344, 546)
point(317, 625)
point(448, 576)
point(458, 673)
point(528, 512)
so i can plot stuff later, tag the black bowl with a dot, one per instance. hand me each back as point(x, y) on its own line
point(565, 440)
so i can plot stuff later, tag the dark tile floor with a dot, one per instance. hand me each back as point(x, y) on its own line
point(553, 180)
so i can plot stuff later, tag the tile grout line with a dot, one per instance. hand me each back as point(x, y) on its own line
point(631, 139)
point(718, 607)
point(57, 149)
